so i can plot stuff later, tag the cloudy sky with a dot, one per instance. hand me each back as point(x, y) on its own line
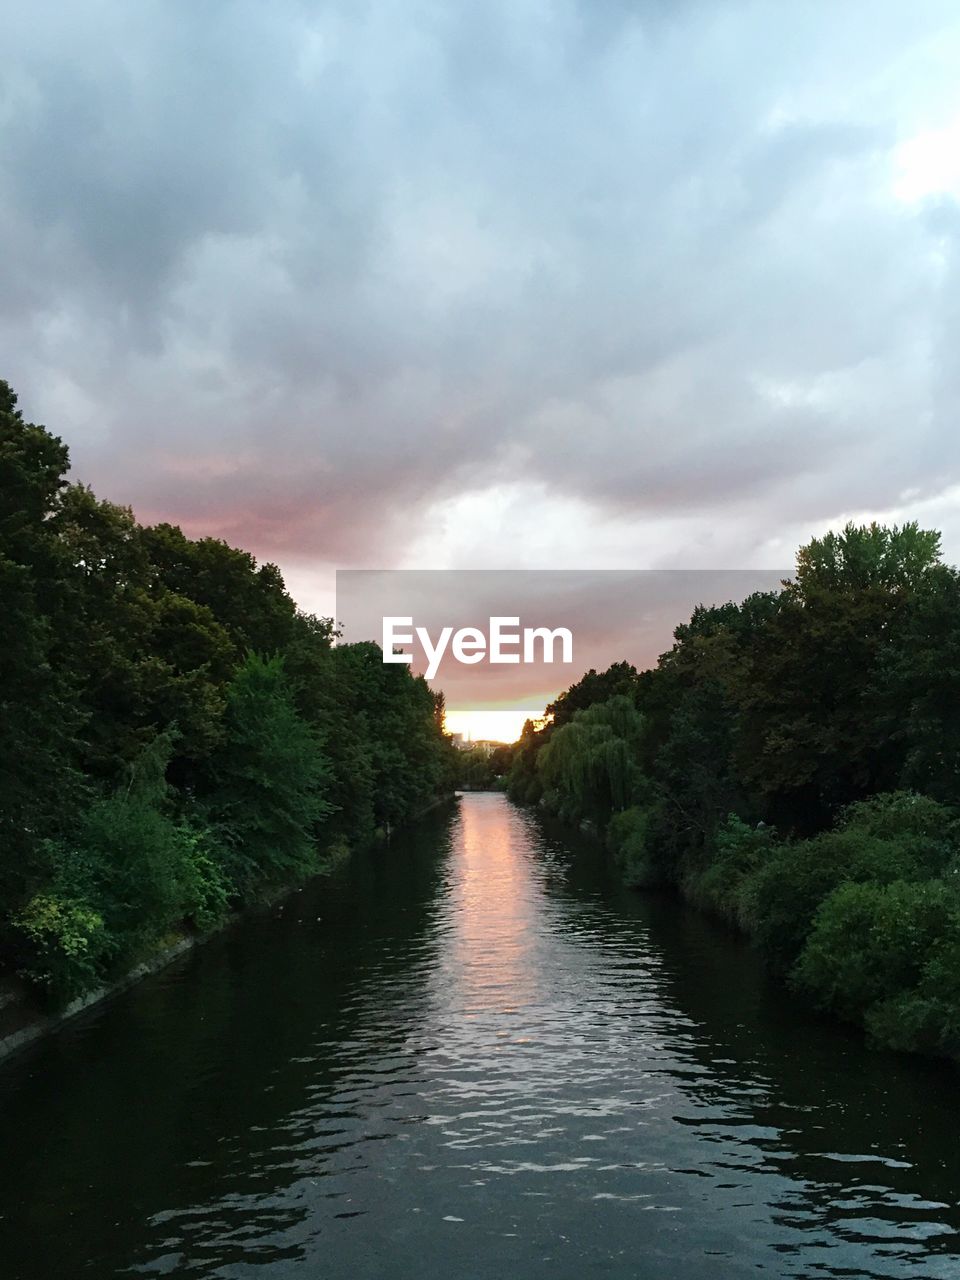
point(611, 615)
point(520, 283)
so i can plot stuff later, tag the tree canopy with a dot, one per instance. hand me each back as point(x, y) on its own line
point(127, 649)
point(792, 763)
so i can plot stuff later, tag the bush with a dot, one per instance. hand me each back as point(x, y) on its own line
point(920, 833)
point(891, 837)
point(926, 1018)
point(782, 896)
point(204, 888)
point(132, 876)
point(65, 942)
point(725, 886)
point(870, 943)
point(629, 837)
point(129, 861)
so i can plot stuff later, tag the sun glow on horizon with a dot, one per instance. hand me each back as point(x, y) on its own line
point(490, 724)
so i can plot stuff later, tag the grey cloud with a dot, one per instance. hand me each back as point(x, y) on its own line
point(293, 273)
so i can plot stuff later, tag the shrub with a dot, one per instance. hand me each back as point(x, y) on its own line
point(65, 944)
point(880, 841)
point(724, 886)
point(131, 877)
point(870, 943)
point(629, 837)
point(925, 1018)
point(129, 862)
point(782, 896)
point(204, 887)
point(920, 832)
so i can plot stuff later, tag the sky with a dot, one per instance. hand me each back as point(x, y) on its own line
point(513, 284)
point(608, 615)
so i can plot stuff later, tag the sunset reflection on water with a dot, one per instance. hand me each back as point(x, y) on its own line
point(491, 913)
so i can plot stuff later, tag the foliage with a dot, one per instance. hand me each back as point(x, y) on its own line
point(204, 888)
point(65, 940)
point(524, 784)
point(631, 837)
point(589, 768)
point(795, 770)
point(870, 943)
point(619, 680)
point(726, 885)
point(482, 768)
point(267, 779)
point(41, 788)
point(175, 732)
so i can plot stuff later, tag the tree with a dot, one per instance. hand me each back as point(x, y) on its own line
point(130, 652)
point(40, 786)
point(865, 557)
point(814, 710)
point(249, 601)
point(268, 779)
point(618, 680)
point(589, 767)
point(919, 688)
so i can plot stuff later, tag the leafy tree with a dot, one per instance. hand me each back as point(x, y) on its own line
point(268, 779)
point(695, 774)
point(157, 766)
point(249, 601)
point(919, 681)
point(619, 679)
point(40, 786)
point(589, 766)
point(524, 783)
point(829, 712)
point(865, 558)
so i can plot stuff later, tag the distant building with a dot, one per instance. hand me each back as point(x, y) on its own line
point(484, 746)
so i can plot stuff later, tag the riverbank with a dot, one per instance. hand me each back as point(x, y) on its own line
point(23, 1021)
point(861, 922)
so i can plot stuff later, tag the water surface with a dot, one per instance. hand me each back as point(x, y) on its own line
point(473, 1054)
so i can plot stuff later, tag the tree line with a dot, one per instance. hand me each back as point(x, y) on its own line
point(177, 737)
point(792, 764)
point(482, 768)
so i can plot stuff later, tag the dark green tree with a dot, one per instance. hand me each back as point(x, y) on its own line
point(268, 779)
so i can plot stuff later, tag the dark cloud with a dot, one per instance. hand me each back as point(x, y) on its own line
point(308, 276)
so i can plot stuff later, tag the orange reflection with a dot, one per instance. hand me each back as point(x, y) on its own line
point(493, 910)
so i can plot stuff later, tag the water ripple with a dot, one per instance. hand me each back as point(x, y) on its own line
point(484, 1058)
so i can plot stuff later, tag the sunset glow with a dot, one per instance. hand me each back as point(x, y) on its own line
point(492, 725)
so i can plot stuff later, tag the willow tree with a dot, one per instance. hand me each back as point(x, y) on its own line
point(589, 768)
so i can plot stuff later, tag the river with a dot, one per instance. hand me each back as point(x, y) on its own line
point(473, 1054)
